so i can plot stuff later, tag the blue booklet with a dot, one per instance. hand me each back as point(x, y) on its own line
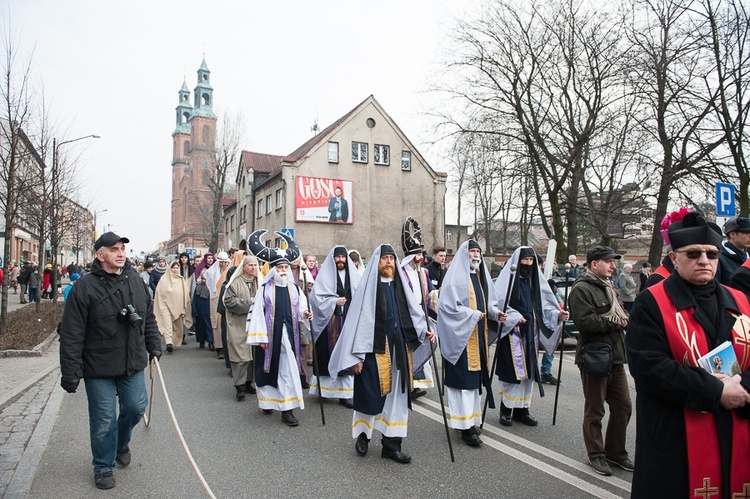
point(721, 359)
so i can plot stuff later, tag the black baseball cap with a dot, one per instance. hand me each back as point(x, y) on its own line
point(601, 253)
point(109, 239)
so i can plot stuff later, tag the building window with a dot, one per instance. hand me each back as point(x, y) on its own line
point(260, 208)
point(231, 223)
point(382, 155)
point(269, 204)
point(186, 148)
point(406, 161)
point(359, 152)
point(333, 152)
point(226, 225)
point(279, 194)
point(449, 235)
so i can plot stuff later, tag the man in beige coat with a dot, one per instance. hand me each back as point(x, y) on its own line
point(238, 300)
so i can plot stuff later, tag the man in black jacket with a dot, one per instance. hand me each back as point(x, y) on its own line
point(108, 335)
point(23, 279)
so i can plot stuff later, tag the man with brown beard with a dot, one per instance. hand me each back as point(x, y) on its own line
point(385, 326)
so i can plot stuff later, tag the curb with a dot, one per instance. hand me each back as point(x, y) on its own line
point(38, 350)
point(25, 471)
point(21, 389)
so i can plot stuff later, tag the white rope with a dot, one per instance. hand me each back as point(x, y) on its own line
point(155, 362)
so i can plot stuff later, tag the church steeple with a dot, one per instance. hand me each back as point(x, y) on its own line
point(184, 110)
point(203, 95)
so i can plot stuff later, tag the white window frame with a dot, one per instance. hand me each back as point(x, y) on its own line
point(279, 198)
point(378, 153)
point(449, 235)
point(333, 152)
point(259, 213)
point(359, 157)
point(269, 204)
point(406, 161)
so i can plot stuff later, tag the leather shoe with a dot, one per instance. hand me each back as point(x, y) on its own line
point(361, 445)
point(418, 392)
point(526, 419)
point(347, 403)
point(396, 455)
point(469, 438)
point(104, 480)
point(506, 419)
point(170, 348)
point(249, 388)
point(288, 418)
point(267, 411)
point(123, 456)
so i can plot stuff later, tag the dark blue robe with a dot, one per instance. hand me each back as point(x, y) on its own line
point(367, 399)
point(282, 315)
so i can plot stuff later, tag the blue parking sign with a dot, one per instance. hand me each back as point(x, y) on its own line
point(725, 200)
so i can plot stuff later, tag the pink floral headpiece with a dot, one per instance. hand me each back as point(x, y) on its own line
point(669, 219)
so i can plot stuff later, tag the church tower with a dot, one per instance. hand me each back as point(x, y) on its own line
point(194, 144)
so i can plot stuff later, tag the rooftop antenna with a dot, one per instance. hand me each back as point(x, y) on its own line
point(314, 128)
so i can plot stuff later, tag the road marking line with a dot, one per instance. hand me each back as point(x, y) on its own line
point(533, 461)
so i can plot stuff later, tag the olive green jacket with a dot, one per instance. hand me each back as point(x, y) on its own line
point(587, 302)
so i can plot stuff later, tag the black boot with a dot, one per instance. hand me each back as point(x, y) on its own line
point(506, 415)
point(471, 437)
point(392, 450)
point(288, 418)
point(303, 380)
point(249, 388)
point(202, 344)
point(241, 392)
point(523, 417)
point(361, 444)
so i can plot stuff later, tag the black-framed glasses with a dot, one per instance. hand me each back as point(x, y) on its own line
point(696, 254)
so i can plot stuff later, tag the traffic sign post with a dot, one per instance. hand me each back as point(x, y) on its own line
point(725, 200)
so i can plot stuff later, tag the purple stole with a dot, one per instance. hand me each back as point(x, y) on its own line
point(269, 296)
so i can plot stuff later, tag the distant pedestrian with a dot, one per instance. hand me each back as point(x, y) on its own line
point(170, 306)
point(33, 284)
point(158, 271)
point(73, 279)
point(23, 280)
point(626, 287)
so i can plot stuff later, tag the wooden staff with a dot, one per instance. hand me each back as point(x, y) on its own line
point(562, 341)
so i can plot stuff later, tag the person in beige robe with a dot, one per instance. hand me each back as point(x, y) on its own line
point(238, 300)
point(171, 305)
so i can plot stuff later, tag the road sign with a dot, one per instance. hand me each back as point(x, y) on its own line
point(725, 200)
point(288, 232)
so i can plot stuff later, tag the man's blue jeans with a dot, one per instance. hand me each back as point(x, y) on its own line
point(547, 363)
point(110, 433)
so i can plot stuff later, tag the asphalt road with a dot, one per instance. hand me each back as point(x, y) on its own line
point(244, 453)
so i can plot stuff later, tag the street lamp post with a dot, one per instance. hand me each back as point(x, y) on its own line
point(55, 230)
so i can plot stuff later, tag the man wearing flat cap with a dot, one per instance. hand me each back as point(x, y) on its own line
point(734, 249)
point(108, 334)
point(601, 319)
point(693, 433)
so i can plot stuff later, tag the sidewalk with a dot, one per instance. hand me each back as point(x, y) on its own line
point(30, 397)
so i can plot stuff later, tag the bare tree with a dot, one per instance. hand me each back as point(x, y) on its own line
point(728, 25)
point(231, 130)
point(668, 71)
point(20, 164)
point(539, 76)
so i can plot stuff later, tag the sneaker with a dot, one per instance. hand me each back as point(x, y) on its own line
point(599, 464)
point(548, 379)
point(123, 456)
point(104, 480)
point(625, 464)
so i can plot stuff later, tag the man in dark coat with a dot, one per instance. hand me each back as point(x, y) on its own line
point(734, 249)
point(692, 435)
point(107, 335)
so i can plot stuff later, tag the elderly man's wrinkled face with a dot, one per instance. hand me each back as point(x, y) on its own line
point(696, 263)
point(475, 258)
point(281, 278)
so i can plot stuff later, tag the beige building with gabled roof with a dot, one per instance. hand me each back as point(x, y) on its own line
point(365, 157)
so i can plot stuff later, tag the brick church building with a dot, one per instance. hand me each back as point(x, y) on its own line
point(194, 143)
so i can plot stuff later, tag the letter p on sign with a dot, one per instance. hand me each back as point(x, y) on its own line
point(725, 200)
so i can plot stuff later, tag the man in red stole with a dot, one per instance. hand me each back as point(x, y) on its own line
point(692, 433)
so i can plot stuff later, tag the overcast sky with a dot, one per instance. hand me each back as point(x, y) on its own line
point(114, 69)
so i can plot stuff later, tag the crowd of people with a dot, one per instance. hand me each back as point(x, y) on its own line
point(365, 335)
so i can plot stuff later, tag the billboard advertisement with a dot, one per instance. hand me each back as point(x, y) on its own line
point(324, 200)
